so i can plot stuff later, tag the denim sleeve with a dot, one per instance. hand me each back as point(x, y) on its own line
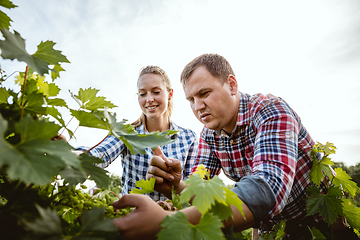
point(256, 193)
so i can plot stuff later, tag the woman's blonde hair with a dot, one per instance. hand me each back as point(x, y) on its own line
point(158, 71)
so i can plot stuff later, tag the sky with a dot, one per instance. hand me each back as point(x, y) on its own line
point(307, 52)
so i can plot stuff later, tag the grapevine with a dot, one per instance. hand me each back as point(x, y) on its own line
point(42, 191)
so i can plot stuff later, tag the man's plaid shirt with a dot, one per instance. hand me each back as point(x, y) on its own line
point(270, 141)
point(134, 167)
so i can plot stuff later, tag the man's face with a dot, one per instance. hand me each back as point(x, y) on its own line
point(211, 101)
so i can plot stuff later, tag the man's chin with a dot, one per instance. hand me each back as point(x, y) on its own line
point(212, 126)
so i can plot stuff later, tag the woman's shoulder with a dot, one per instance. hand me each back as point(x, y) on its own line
point(183, 130)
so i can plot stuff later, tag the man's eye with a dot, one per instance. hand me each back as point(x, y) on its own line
point(204, 94)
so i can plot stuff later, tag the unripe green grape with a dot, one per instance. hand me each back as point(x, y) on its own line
point(107, 197)
point(97, 191)
point(74, 200)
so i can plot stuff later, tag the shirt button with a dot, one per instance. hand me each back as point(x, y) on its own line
point(231, 141)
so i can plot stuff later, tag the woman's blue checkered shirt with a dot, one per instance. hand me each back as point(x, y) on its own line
point(134, 166)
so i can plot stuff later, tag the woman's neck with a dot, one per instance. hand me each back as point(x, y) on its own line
point(159, 124)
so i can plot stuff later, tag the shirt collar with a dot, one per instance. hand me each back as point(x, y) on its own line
point(243, 117)
point(173, 126)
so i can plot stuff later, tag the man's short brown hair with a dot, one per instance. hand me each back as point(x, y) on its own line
point(217, 65)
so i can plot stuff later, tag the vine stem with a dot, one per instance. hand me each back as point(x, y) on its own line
point(68, 123)
point(23, 90)
point(115, 194)
point(96, 144)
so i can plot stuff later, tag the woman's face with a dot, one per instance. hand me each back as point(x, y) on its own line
point(153, 96)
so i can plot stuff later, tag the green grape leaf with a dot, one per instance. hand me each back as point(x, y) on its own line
point(202, 171)
point(97, 174)
point(352, 213)
point(146, 185)
point(343, 181)
point(7, 4)
point(36, 159)
point(87, 119)
point(42, 85)
point(136, 143)
point(53, 90)
point(329, 148)
point(233, 199)
point(47, 226)
point(205, 191)
point(72, 175)
point(14, 47)
point(56, 102)
point(176, 226)
point(95, 226)
point(4, 20)
point(34, 103)
point(90, 101)
point(223, 211)
point(329, 205)
point(56, 71)
point(316, 234)
point(4, 95)
point(280, 229)
point(55, 114)
point(320, 168)
point(47, 53)
point(139, 142)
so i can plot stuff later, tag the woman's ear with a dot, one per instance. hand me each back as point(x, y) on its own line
point(231, 80)
point(171, 92)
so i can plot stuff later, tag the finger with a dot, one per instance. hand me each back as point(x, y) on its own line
point(128, 200)
point(159, 163)
point(176, 165)
point(158, 152)
point(158, 180)
point(159, 173)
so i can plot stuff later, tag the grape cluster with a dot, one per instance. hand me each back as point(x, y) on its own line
point(71, 202)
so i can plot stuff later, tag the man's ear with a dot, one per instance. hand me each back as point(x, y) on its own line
point(232, 82)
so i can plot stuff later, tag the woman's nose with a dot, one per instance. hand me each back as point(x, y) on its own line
point(149, 98)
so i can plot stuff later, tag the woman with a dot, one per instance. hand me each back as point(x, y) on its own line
point(155, 97)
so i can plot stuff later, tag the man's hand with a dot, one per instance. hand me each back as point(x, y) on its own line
point(167, 173)
point(142, 222)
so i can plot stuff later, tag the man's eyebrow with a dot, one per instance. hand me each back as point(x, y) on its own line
point(200, 91)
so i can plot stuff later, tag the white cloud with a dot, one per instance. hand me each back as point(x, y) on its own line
point(304, 51)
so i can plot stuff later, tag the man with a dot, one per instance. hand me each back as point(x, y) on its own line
point(258, 141)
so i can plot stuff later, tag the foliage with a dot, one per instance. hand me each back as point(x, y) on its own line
point(146, 185)
point(42, 195)
point(332, 204)
point(212, 199)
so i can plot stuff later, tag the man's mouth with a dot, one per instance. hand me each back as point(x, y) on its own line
point(204, 116)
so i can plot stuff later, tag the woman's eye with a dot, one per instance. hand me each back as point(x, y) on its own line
point(141, 94)
point(157, 92)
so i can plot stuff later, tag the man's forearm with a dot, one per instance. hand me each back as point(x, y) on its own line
point(239, 222)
